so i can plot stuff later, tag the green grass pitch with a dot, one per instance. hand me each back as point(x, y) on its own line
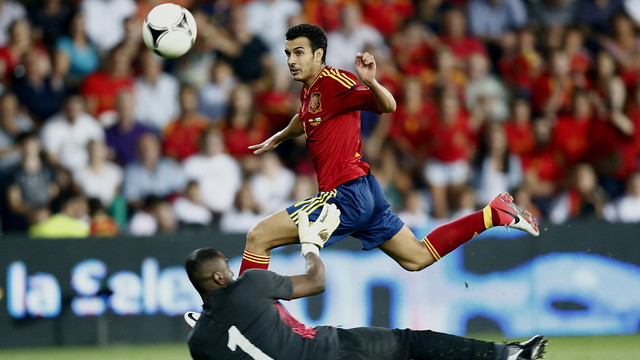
point(559, 348)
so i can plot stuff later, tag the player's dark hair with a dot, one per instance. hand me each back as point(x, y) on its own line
point(315, 34)
point(193, 265)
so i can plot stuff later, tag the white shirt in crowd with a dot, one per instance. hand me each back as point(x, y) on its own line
point(102, 185)
point(10, 11)
point(219, 176)
point(191, 213)
point(104, 18)
point(157, 104)
point(69, 141)
point(273, 192)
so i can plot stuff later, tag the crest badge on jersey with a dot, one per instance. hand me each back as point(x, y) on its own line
point(314, 104)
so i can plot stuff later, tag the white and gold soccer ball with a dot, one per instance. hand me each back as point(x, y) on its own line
point(169, 30)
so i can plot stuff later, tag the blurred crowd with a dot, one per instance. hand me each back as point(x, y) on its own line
point(99, 136)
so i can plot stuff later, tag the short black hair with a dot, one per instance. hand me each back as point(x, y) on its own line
point(315, 34)
point(193, 265)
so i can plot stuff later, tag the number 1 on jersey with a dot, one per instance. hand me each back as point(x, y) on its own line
point(236, 339)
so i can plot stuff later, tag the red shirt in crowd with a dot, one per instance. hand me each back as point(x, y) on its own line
point(104, 89)
point(520, 138)
point(451, 142)
point(181, 137)
point(330, 117)
point(571, 137)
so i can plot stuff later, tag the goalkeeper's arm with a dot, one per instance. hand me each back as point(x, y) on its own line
point(312, 238)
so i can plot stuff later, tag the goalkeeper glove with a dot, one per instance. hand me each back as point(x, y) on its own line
point(313, 237)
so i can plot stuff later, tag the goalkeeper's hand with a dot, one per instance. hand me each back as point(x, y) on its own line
point(313, 237)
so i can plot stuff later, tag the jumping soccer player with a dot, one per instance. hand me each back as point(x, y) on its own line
point(330, 120)
point(240, 320)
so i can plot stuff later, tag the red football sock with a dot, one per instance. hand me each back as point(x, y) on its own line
point(445, 238)
point(253, 261)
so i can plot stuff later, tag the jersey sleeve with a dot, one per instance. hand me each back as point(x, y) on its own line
point(350, 94)
point(270, 284)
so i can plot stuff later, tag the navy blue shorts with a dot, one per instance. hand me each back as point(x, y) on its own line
point(365, 212)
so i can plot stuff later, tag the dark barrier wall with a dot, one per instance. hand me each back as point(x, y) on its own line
point(577, 279)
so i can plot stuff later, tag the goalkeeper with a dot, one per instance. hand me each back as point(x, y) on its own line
point(240, 318)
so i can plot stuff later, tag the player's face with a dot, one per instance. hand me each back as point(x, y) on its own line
point(304, 64)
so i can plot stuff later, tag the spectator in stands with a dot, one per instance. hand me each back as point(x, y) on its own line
point(627, 207)
point(189, 208)
point(151, 173)
point(12, 53)
point(244, 215)
point(70, 222)
point(594, 16)
point(50, 20)
point(324, 13)
point(552, 13)
point(156, 93)
point(450, 149)
point(65, 136)
point(167, 222)
point(194, 67)
point(624, 46)
point(484, 93)
point(580, 59)
point(410, 122)
point(10, 11)
point(101, 87)
point(218, 174)
point(584, 199)
point(543, 169)
point(572, 130)
point(274, 99)
point(75, 56)
point(489, 19)
point(37, 90)
point(521, 63)
point(612, 151)
point(352, 37)
point(552, 92)
point(269, 20)
point(498, 171)
point(182, 135)
point(455, 37)
point(101, 223)
point(244, 125)
point(143, 221)
point(126, 131)
point(245, 49)
point(415, 210)
point(12, 123)
point(413, 48)
point(105, 19)
point(100, 179)
point(445, 74)
point(214, 94)
point(272, 185)
point(464, 202)
point(387, 16)
point(31, 186)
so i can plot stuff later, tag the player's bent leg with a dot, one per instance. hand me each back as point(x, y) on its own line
point(408, 251)
point(271, 232)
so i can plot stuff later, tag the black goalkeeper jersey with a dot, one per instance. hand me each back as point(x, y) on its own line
point(243, 321)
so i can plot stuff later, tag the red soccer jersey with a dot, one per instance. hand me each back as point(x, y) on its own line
point(330, 116)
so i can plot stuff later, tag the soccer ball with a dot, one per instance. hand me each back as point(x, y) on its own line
point(169, 30)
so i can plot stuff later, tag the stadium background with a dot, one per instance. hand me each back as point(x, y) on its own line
point(236, 78)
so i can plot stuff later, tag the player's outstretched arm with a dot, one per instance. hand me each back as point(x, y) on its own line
point(313, 281)
point(293, 129)
point(366, 70)
point(312, 238)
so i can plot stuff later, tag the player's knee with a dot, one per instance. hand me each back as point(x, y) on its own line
point(255, 238)
point(416, 264)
